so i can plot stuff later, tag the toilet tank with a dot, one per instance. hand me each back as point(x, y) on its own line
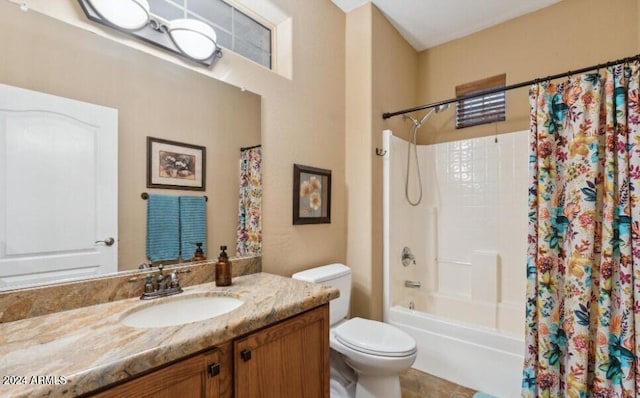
point(335, 275)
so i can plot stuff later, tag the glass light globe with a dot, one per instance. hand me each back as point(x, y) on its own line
point(126, 14)
point(194, 38)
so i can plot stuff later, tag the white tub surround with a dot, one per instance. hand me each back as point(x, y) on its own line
point(468, 236)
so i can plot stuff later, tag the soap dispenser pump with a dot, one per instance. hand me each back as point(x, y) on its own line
point(199, 253)
point(223, 268)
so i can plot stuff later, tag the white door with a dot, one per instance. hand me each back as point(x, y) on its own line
point(58, 188)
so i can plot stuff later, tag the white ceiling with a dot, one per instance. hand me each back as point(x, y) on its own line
point(427, 23)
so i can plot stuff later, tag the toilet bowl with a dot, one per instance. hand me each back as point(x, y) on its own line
point(375, 353)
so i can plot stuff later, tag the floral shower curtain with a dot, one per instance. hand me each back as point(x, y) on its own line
point(583, 267)
point(249, 241)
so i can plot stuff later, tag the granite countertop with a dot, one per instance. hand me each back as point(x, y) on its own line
point(69, 353)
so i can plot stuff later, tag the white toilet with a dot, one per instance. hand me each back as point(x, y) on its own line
point(375, 352)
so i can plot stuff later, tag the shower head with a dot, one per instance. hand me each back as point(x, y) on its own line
point(441, 108)
point(436, 109)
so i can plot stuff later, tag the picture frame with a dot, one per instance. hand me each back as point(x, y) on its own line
point(311, 195)
point(175, 165)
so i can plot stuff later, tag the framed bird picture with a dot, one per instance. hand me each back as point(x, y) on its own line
point(175, 165)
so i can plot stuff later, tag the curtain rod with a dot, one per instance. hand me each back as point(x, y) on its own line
point(388, 115)
point(246, 148)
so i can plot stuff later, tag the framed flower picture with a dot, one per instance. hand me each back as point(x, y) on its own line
point(311, 195)
point(175, 165)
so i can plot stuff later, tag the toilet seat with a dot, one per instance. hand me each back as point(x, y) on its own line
point(375, 338)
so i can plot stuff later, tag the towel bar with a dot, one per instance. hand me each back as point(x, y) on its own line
point(145, 196)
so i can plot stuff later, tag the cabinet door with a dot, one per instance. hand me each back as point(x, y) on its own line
point(290, 359)
point(203, 376)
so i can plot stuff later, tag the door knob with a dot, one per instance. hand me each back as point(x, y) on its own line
point(108, 242)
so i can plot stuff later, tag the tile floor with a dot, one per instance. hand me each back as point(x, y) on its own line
point(415, 383)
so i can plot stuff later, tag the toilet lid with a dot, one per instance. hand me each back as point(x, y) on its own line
point(375, 338)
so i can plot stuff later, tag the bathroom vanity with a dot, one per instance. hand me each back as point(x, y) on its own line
point(275, 344)
point(288, 359)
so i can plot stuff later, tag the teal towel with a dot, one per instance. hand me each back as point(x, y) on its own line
point(163, 227)
point(193, 225)
point(482, 395)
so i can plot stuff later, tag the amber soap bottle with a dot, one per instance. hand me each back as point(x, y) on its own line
point(199, 253)
point(223, 268)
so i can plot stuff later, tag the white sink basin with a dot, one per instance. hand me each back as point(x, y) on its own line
point(180, 310)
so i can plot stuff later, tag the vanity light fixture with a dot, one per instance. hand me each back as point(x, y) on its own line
point(193, 39)
point(124, 14)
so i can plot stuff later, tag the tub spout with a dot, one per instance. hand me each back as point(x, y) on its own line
point(413, 284)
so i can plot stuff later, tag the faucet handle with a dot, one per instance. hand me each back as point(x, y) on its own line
point(160, 275)
point(175, 282)
point(148, 284)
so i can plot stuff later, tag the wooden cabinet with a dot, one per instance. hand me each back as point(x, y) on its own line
point(290, 359)
point(205, 375)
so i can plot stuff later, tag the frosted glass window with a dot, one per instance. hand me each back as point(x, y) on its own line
point(216, 11)
point(224, 39)
point(235, 30)
point(251, 31)
point(250, 51)
point(166, 10)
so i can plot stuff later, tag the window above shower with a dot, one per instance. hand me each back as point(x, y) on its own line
point(482, 109)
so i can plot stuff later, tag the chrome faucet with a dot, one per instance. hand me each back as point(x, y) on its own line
point(161, 285)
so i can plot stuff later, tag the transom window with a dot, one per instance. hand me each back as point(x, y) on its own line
point(235, 30)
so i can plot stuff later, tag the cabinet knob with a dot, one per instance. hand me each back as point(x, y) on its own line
point(245, 354)
point(214, 369)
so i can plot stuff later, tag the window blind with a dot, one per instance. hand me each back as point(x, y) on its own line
point(482, 109)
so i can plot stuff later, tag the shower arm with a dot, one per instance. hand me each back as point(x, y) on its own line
point(417, 124)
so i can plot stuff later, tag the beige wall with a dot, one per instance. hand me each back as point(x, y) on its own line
point(394, 87)
point(153, 98)
point(568, 35)
point(358, 145)
point(303, 121)
point(381, 74)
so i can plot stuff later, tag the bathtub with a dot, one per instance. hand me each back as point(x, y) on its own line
point(472, 356)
